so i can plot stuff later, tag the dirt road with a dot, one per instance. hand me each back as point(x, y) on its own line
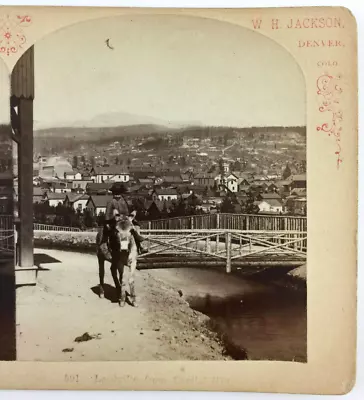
point(64, 305)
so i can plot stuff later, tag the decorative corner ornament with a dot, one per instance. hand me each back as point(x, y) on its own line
point(328, 87)
point(12, 36)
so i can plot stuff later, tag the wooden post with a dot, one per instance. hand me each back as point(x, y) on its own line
point(16, 243)
point(21, 107)
point(25, 169)
point(228, 252)
point(217, 242)
point(149, 229)
point(217, 221)
point(208, 245)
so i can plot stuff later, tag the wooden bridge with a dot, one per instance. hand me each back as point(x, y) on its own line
point(231, 240)
point(231, 248)
point(226, 240)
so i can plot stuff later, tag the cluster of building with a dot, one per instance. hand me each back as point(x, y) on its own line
point(157, 192)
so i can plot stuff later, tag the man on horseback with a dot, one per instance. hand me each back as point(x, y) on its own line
point(116, 207)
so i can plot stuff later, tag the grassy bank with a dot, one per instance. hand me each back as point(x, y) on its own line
point(76, 241)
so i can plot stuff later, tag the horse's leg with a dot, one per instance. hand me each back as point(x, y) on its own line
point(114, 273)
point(132, 266)
point(121, 269)
point(101, 260)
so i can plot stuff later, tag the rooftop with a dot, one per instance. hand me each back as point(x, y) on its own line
point(56, 196)
point(111, 170)
point(100, 200)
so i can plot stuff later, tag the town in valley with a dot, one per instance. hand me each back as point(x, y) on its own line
point(167, 172)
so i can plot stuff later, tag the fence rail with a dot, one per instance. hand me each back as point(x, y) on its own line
point(275, 229)
point(6, 234)
point(231, 221)
point(44, 227)
point(206, 221)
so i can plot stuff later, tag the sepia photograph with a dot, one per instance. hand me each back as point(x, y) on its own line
point(160, 208)
point(155, 171)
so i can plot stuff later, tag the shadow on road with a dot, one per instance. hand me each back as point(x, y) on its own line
point(41, 258)
point(109, 291)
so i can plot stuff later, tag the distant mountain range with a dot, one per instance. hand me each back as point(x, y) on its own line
point(101, 133)
point(119, 119)
point(97, 133)
point(116, 124)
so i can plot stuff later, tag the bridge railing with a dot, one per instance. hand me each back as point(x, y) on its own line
point(6, 234)
point(45, 227)
point(228, 246)
point(227, 238)
point(230, 221)
point(211, 221)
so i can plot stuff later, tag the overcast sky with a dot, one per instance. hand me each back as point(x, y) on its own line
point(165, 69)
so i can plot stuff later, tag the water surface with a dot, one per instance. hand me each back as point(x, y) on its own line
point(258, 319)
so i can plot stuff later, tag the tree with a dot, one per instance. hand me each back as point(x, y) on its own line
point(237, 166)
point(75, 162)
point(179, 209)
point(227, 206)
point(290, 207)
point(138, 206)
point(41, 211)
point(287, 172)
point(101, 219)
point(165, 212)
point(221, 166)
point(226, 137)
point(250, 207)
point(193, 202)
point(303, 166)
point(92, 161)
point(89, 219)
point(83, 159)
point(117, 161)
point(182, 161)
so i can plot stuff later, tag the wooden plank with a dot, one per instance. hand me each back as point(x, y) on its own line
point(26, 182)
point(228, 252)
point(22, 77)
point(198, 264)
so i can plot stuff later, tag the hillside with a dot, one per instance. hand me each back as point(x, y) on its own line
point(51, 141)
